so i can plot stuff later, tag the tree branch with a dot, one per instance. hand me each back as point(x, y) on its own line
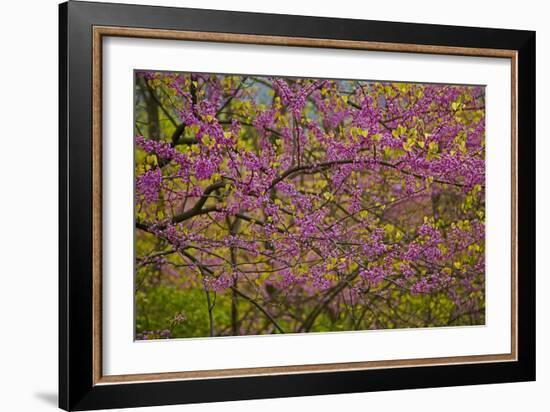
point(197, 208)
point(238, 292)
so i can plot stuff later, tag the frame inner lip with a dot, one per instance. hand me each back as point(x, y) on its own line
point(100, 31)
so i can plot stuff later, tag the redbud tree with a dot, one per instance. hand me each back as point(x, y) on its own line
point(289, 205)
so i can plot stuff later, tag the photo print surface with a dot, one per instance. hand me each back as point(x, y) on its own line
point(270, 205)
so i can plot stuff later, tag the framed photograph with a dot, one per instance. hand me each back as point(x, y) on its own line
point(256, 206)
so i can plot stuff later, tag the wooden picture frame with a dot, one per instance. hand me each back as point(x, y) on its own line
point(82, 384)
